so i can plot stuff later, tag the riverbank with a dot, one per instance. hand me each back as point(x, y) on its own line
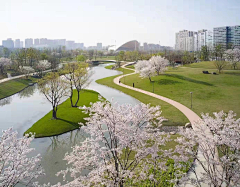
point(14, 86)
point(68, 117)
point(174, 116)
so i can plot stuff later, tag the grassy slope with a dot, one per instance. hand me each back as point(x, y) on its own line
point(207, 65)
point(210, 92)
point(69, 117)
point(174, 116)
point(13, 86)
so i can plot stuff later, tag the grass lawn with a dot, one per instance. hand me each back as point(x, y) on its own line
point(105, 58)
point(211, 93)
point(174, 116)
point(131, 67)
point(13, 86)
point(68, 117)
point(207, 65)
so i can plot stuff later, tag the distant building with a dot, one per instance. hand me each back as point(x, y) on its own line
point(17, 44)
point(43, 41)
point(185, 40)
point(145, 46)
point(203, 38)
point(229, 35)
point(28, 42)
point(129, 46)
point(8, 43)
point(36, 42)
point(21, 44)
point(70, 44)
point(62, 42)
point(99, 46)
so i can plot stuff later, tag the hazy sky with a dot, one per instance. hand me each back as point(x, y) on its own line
point(92, 21)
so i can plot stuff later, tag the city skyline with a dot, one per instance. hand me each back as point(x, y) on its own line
point(107, 22)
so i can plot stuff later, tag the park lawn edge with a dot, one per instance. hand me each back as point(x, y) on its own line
point(68, 117)
point(13, 88)
point(175, 117)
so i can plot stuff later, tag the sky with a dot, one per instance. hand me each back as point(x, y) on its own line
point(107, 21)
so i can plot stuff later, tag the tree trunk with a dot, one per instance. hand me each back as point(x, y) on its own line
point(150, 79)
point(71, 98)
point(54, 113)
point(77, 99)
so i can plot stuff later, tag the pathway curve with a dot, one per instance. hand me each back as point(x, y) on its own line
point(192, 116)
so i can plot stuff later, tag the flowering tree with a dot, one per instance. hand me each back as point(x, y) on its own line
point(219, 148)
point(120, 141)
point(26, 70)
point(233, 56)
point(15, 164)
point(159, 64)
point(42, 66)
point(145, 69)
point(3, 63)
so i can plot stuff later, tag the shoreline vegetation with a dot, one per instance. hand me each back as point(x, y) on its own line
point(68, 117)
point(12, 87)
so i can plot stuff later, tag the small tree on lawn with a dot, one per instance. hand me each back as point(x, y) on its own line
point(81, 78)
point(145, 69)
point(120, 141)
point(218, 141)
point(4, 62)
point(55, 89)
point(16, 166)
point(69, 74)
point(159, 64)
point(220, 65)
point(233, 56)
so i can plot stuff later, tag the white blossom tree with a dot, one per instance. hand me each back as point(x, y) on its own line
point(16, 166)
point(219, 149)
point(4, 62)
point(119, 142)
point(145, 69)
point(233, 56)
point(159, 64)
point(42, 66)
point(27, 70)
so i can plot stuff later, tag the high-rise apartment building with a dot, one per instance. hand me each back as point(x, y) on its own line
point(203, 38)
point(43, 41)
point(28, 42)
point(229, 35)
point(36, 42)
point(21, 44)
point(99, 46)
point(185, 40)
point(8, 43)
point(17, 43)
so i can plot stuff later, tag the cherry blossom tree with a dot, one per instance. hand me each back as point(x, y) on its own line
point(145, 69)
point(120, 139)
point(159, 64)
point(3, 63)
point(27, 70)
point(16, 165)
point(216, 151)
point(42, 66)
point(233, 56)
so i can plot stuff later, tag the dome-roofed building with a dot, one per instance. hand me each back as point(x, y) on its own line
point(129, 46)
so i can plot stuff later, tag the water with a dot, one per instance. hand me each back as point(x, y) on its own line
point(22, 110)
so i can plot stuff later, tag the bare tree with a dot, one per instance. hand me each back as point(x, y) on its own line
point(220, 65)
point(55, 89)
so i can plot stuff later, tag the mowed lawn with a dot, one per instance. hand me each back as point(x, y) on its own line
point(68, 117)
point(13, 86)
point(174, 116)
point(211, 93)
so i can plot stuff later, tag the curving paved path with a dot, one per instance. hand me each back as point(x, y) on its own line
point(192, 116)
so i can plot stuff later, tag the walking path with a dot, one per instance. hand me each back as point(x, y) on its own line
point(192, 116)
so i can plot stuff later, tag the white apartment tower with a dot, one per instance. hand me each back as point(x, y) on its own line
point(185, 40)
point(203, 38)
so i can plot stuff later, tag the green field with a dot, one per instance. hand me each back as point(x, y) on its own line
point(174, 116)
point(207, 65)
point(68, 117)
point(211, 93)
point(13, 86)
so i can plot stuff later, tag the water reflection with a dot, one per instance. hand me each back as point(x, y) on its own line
point(5, 101)
point(27, 92)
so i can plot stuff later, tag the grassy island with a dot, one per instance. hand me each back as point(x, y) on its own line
point(68, 117)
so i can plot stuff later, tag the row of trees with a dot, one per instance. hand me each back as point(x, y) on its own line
point(56, 87)
point(125, 147)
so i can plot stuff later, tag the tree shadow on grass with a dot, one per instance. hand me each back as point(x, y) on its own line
point(167, 82)
point(70, 122)
point(188, 79)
